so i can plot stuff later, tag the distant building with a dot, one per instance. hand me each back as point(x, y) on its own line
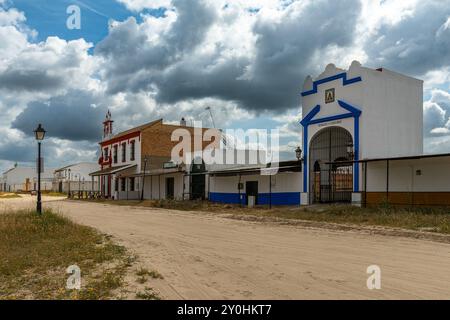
point(24, 179)
point(75, 177)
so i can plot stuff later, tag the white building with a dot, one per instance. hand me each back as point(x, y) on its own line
point(24, 179)
point(75, 177)
point(363, 140)
point(362, 132)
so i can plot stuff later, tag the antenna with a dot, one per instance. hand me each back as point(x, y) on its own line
point(210, 113)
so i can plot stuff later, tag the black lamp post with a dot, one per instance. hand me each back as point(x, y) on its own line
point(40, 134)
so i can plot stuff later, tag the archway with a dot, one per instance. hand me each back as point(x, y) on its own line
point(331, 172)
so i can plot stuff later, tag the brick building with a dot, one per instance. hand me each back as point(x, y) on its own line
point(141, 158)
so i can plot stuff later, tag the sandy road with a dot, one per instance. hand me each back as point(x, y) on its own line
point(209, 257)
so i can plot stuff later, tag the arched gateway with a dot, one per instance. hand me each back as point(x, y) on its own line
point(331, 171)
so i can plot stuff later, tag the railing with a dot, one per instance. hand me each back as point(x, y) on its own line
point(88, 195)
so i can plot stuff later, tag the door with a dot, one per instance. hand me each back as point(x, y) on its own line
point(60, 187)
point(170, 188)
point(331, 169)
point(251, 189)
point(198, 180)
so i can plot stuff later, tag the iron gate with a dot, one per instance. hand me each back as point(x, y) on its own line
point(331, 172)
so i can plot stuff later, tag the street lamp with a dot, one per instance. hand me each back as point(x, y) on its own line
point(40, 134)
point(350, 151)
point(298, 154)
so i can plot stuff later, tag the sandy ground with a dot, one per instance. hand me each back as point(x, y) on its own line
point(210, 257)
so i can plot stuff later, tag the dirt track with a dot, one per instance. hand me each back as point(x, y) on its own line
point(209, 257)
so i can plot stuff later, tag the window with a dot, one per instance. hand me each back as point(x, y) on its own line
point(105, 154)
point(131, 184)
point(122, 184)
point(116, 147)
point(133, 147)
point(124, 152)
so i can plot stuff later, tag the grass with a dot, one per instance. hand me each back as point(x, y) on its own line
point(435, 220)
point(148, 294)
point(54, 194)
point(142, 272)
point(36, 251)
point(143, 275)
point(7, 195)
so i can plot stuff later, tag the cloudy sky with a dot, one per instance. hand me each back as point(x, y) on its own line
point(246, 59)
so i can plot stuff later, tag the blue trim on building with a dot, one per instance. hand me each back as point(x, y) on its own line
point(232, 198)
point(309, 120)
point(278, 199)
point(343, 76)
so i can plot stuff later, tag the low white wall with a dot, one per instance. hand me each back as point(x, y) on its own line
point(282, 182)
point(155, 186)
point(434, 175)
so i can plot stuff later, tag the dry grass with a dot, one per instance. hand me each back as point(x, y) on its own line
point(148, 294)
point(54, 194)
point(419, 219)
point(142, 272)
point(8, 195)
point(36, 250)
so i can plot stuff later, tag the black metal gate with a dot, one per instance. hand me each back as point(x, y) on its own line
point(331, 172)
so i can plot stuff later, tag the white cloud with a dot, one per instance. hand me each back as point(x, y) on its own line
point(139, 5)
point(234, 56)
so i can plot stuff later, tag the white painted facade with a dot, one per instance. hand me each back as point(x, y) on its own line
point(25, 179)
point(381, 109)
point(415, 175)
point(155, 187)
point(76, 177)
point(391, 105)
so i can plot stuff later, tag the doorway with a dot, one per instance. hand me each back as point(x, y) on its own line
point(251, 189)
point(331, 170)
point(198, 180)
point(170, 188)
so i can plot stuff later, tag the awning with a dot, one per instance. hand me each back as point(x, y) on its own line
point(112, 170)
point(159, 172)
point(287, 166)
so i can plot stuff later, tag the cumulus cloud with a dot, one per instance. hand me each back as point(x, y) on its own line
point(437, 114)
point(191, 59)
point(139, 5)
point(416, 44)
point(47, 66)
point(243, 58)
point(73, 116)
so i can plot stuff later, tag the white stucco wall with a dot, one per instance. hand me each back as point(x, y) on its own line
point(128, 161)
point(16, 178)
point(392, 109)
point(282, 182)
point(155, 186)
point(403, 176)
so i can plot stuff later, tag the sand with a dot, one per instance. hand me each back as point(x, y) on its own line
point(205, 256)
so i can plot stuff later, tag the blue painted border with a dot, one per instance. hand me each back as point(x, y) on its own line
point(343, 76)
point(309, 120)
point(278, 199)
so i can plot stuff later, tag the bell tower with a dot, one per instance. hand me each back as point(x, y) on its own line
point(107, 126)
